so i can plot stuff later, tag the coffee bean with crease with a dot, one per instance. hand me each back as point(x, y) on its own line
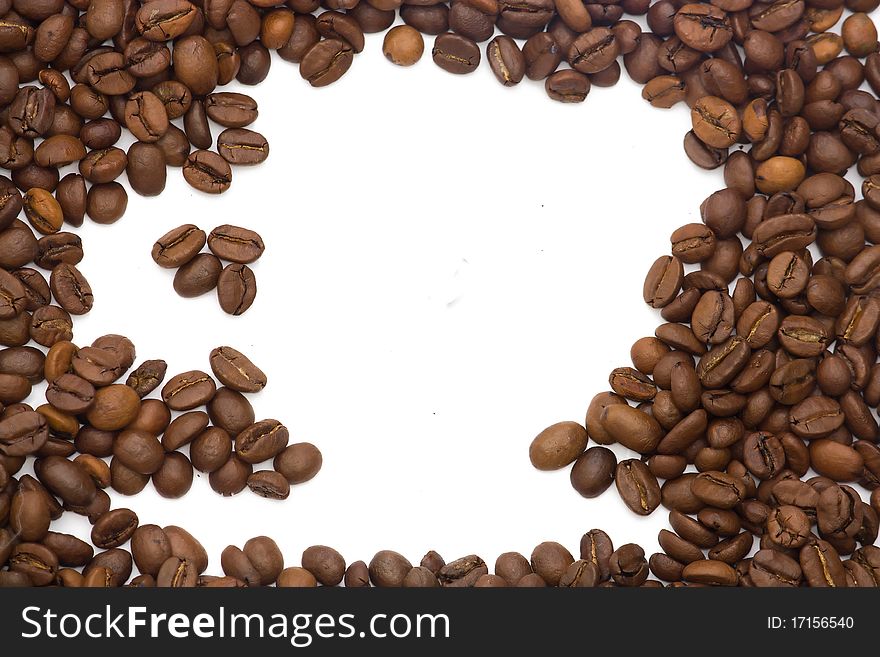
point(236, 371)
point(788, 527)
point(632, 384)
point(235, 244)
point(147, 377)
point(326, 61)
point(821, 565)
point(236, 288)
point(71, 289)
point(716, 122)
point(455, 53)
point(593, 51)
point(231, 110)
point(638, 488)
point(188, 390)
point(178, 246)
point(463, 572)
point(242, 147)
point(261, 441)
point(506, 60)
point(207, 172)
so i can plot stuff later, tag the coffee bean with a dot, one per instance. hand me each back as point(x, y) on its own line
point(455, 53)
point(147, 377)
point(243, 147)
point(236, 244)
point(325, 62)
point(593, 51)
point(715, 122)
point(558, 445)
point(207, 172)
point(198, 276)
point(236, 288)
point(236, 371)
point(703, 27)
point(269, 484)
point(261, 441)
point(299, 462)
point(506, 60)
point(550, 560)
point(178, 246)
point(388, 569)
point(593, 471)
point(188, 390)
point(638, 488)
point(231, 110)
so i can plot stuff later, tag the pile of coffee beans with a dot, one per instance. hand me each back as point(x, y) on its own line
point(199, 273)
point(764, 371)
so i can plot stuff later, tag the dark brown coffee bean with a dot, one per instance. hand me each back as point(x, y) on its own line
point(506, 60)
point(455, 53)
point(593, 471)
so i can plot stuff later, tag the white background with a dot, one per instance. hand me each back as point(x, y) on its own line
point(451, 266)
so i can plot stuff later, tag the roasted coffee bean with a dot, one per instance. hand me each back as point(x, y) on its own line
point(235, 244)
point(188, 390)
point(178, 246)
point(242, 147)
point(236, 371)
point(231, 110)
point(261, 441)
point(198, 276)
point(455, 53)
point(236, 288)
point(269, 484)
point(638, 488)
point(593, 471)
point(299, 462)
point(388, 569)
point(147, 377)
point(231, 478)
point(207, 172)
point(326, 61)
